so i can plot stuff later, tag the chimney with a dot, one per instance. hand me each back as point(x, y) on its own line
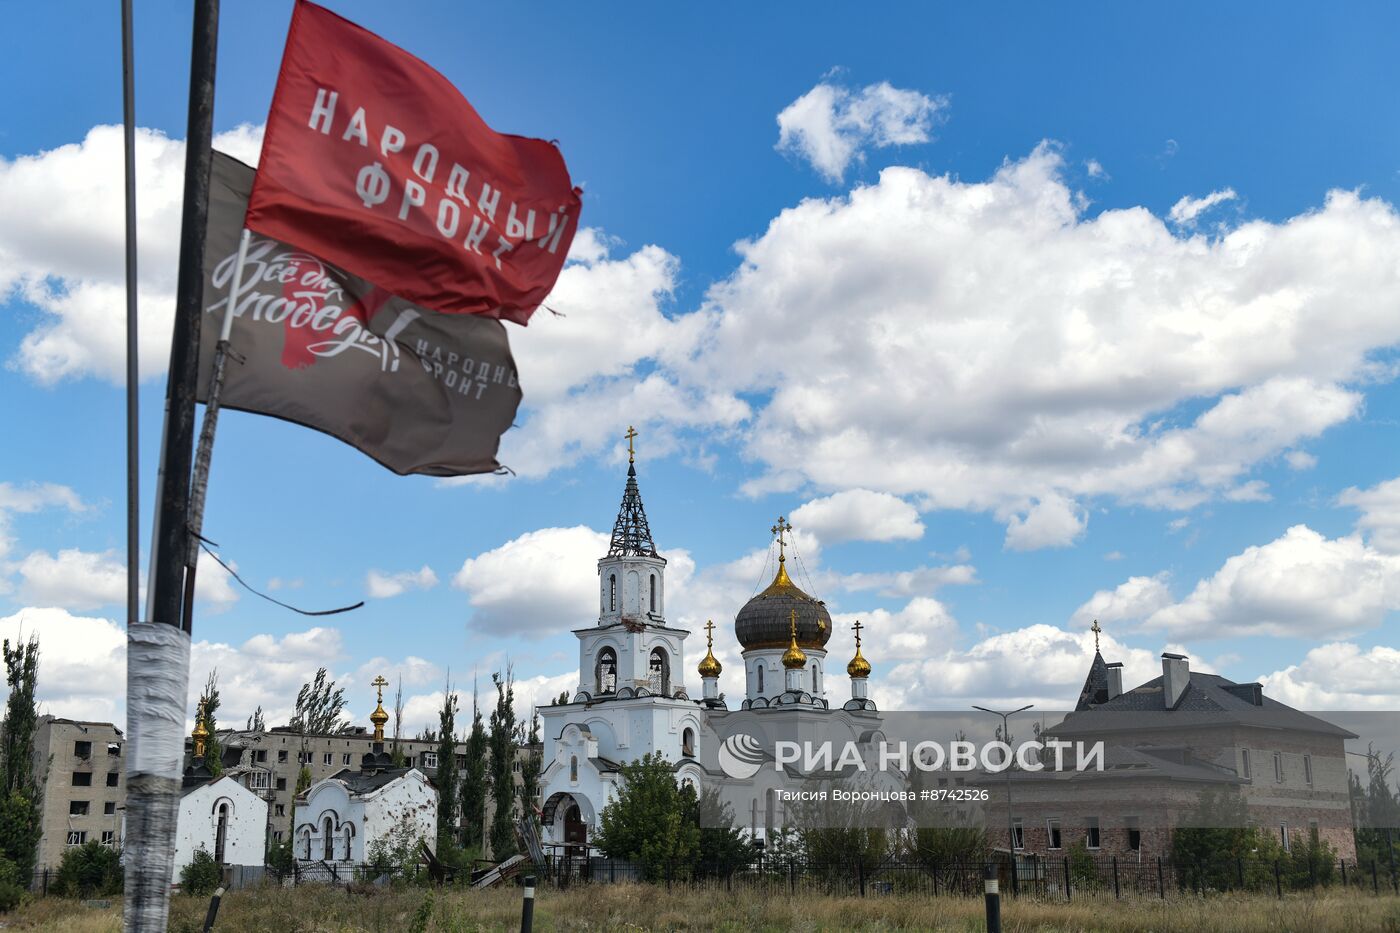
point(1176, 674)
point(1115, 679)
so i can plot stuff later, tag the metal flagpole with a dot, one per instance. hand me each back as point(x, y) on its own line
point(158, 650)
point(133, 451)
point(200, 484)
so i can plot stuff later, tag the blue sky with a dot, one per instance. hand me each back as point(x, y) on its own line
point(1049, 310)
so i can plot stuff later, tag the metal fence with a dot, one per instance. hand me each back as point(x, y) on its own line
point(1049, 878)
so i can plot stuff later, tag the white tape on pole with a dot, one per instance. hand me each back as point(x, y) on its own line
point(155, 698)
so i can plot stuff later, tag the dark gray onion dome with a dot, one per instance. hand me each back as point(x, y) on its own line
point(766, 620)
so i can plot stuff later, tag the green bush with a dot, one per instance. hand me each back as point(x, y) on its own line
point(202, 875)
point(89, 870)
point(11, 891)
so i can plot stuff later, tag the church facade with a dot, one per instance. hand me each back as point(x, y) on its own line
point(634, 696)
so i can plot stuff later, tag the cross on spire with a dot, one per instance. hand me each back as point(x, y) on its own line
point(857, 627)
point(631, 535)
point(1096, 630)
point(781, 529)
point(709, 633)
point(380, 683)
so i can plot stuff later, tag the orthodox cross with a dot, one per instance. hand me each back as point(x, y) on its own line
point(631, 453)
point(780, 529)
point(380, 683)
point(794, 625)
point(857, 627)
point(1096, 630)
point(709, 633)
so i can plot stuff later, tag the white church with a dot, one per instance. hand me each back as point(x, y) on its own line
point(632, 697)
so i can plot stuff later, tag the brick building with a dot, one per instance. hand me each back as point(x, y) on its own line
point(1167, 743)
point(81, 768)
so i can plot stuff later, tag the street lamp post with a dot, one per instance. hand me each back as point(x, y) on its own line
point(1006, 736)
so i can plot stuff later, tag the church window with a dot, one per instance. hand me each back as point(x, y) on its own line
point(349, 836)
point(573, 769)
point(816, 688)
point(612, 592)
point(306, 840)
point(328, 840)
point(653, 592)
point(659, 672)
point(221, 833)
point(688, 743)
point(758, 672)
point(607, 671)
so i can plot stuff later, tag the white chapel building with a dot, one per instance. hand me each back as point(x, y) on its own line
point(632, 697)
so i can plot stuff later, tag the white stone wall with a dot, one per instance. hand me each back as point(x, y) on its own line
point(410, 797)
point(197, 825)
point(774, 680)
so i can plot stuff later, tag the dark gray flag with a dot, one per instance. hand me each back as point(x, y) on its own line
point(417, 390)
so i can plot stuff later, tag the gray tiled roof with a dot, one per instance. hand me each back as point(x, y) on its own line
point(1205, 702)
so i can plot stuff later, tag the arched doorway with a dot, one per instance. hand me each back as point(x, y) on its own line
point(575, 830)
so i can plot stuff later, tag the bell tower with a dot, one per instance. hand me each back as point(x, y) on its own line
point(631, 648)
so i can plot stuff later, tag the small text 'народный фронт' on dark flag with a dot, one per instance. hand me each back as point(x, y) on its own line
point(375, 162)
point(417, 390)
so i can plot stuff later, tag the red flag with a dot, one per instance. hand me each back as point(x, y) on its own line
point(375, 162)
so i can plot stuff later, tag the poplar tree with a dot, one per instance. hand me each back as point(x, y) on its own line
point(502, 744)
point(20, 798)
point(446, 778)
point(474, 778)
point(209, 702)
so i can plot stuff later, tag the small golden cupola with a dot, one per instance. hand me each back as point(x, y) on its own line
point(794, 658)
point(379, 717)
point(709, 665)
point(859, 667)
point(200, 734)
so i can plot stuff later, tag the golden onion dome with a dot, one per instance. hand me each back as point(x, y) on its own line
point(859, 667)
point(709, 665)
point(378, 718)
point(763, 620)
point(794, 658)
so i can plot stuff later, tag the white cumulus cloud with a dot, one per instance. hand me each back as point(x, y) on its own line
point(542, 583)
point(859, 515)
point(1339, 675)
point(830, 126)
point(1300, 585)
point(1185, 211)
point(382, 585)
point(1131, 601)
point(62, 232)
point(1380, 513)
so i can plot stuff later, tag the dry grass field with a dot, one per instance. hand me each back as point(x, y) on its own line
point(623, 907)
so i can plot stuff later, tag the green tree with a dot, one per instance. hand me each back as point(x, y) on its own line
point(396, 753)
point(652, 820)
point(397, 851)
point(202, 875)
point(501, 741)
point(20, 796)
point(255, 722)
point(1212, 838)
point(209, 702)
point(89, 870)
point(474, 779)
point(723, 847)
point(530, 767)
point(446, 778)
point(320, 706)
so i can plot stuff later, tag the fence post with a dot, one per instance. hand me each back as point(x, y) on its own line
point(1161, 881)
point(1117, 891)
point(1344, 873)
point(1278, 881)
point(1312, 870)
point(1375, 879)
point(792, 876)
point(1239, 871)
point(992, 890)
point(1068, 896)
point(213, 909)
point(527, 905)
point(860, 875)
